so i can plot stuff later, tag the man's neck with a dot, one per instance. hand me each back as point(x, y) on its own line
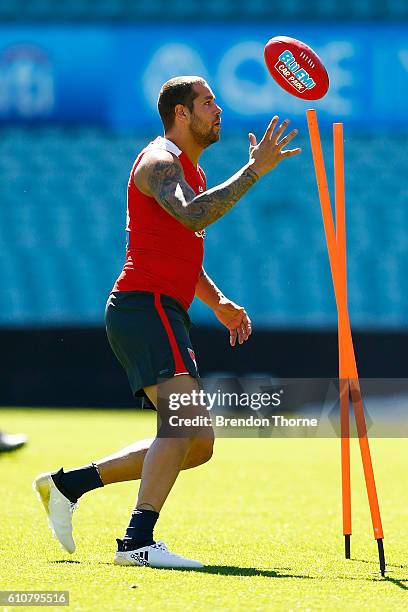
point(189, 147)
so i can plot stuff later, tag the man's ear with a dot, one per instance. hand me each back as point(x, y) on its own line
point(181, 112)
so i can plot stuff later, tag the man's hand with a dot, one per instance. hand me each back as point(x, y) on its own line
point(263, 157)
point(235, 319)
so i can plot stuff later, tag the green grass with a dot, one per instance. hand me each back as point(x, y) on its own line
point(263, 515)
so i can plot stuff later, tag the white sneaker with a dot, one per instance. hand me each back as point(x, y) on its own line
point(58, 508)
point(156, 555)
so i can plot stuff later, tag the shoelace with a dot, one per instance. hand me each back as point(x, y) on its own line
point(162, 546)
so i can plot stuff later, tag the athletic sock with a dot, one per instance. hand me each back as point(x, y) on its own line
point(75, 483)
point(140, 530)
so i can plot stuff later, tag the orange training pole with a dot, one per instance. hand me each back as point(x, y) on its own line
point(345, 332)
point(345, 341)
point(343, 374)
point(335, 254)
point(342, 287)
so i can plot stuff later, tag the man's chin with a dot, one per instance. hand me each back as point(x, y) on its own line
point(215, 136)
point(208, 140)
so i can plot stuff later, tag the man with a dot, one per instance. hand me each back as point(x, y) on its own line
point(146, 314)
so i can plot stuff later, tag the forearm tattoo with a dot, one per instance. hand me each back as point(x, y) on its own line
point(169, 187)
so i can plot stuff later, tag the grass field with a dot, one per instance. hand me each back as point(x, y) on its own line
point(263, 515)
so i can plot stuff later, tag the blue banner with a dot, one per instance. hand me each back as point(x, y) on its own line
point(111, 75)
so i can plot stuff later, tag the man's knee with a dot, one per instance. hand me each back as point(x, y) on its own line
point(202, 449)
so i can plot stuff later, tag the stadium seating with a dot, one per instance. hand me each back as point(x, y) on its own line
point(62, 216)
point(178, 10)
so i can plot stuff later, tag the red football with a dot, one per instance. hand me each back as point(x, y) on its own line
point(296, 68)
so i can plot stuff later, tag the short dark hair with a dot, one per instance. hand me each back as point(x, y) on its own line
point(176, 91)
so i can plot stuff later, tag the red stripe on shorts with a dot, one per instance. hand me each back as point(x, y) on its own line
point(178, 360)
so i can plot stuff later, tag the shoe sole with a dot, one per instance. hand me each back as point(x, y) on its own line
point(125, 562)
point(42, 489)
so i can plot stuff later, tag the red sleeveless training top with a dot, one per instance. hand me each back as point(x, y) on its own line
point(162, 255)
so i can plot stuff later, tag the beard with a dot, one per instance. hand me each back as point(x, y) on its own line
point(202, 134)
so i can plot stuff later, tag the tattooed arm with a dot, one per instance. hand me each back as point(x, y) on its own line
point(160, 175)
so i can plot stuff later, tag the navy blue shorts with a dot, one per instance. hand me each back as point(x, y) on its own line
point(149, 334)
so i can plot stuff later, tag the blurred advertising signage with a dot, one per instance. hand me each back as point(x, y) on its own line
point(112, 74)
point(26, 82)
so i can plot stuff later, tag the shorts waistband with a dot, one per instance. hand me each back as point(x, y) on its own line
point(166, 300)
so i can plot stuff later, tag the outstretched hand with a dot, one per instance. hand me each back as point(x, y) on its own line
point(235, 319)
point(267, 154)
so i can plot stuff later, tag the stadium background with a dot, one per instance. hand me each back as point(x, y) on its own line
point(78, 84)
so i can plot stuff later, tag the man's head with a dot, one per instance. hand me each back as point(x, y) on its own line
point(187, 103)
